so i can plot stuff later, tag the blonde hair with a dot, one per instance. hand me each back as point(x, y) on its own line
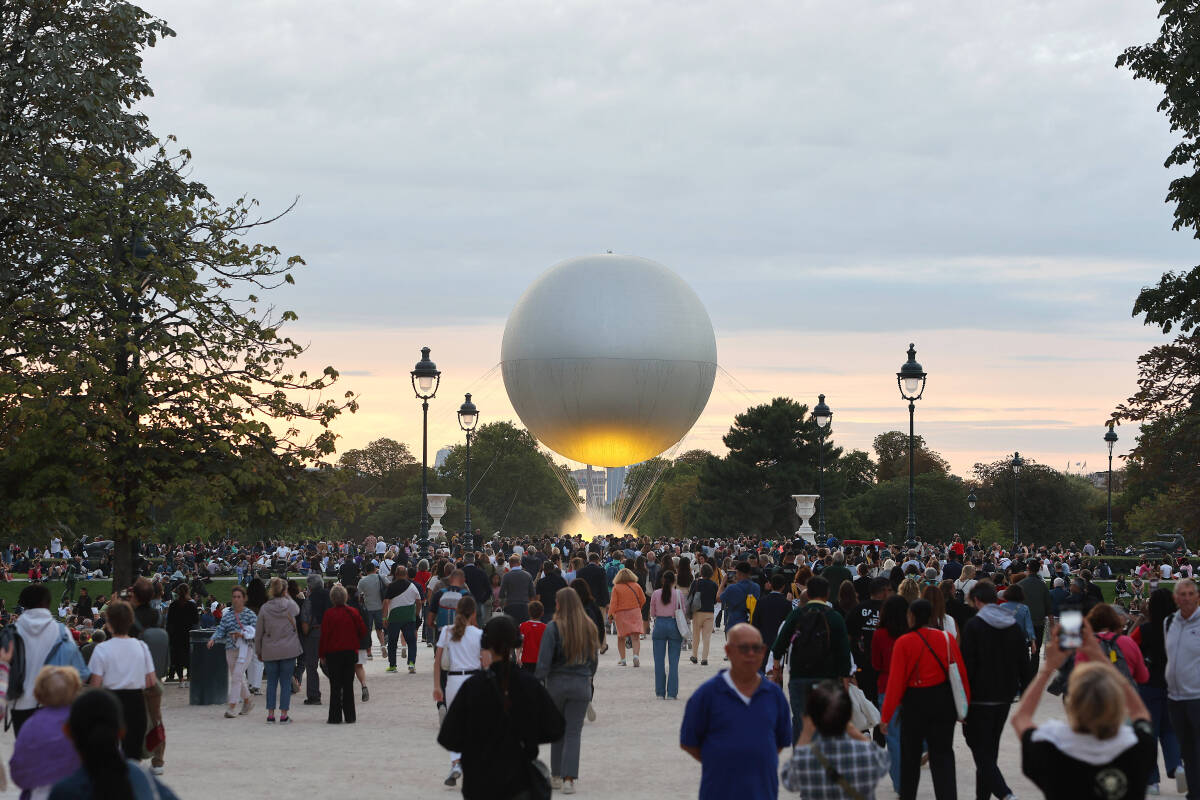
point(968, 572)
point(1095, 701)
point(277, 588)
point(625, 576)
point(578, 634)
point(338, 595)
point(909, 590)
point(464, 611)
point(56, 687)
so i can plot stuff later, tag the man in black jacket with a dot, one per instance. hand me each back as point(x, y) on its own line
point(597, 580)
point(478, 585)
point(771, 611)
point(998, 668)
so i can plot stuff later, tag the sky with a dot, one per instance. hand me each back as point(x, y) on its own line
point(834, 180)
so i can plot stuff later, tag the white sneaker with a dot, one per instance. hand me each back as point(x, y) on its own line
point(156, 770)
point(1180, 780)
point(455, 773)
point(568, 786)
point(555, 782)
point(1152, 789)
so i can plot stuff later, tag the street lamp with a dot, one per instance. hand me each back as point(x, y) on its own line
point(1017, 463)
point(1110, 439)
point(425, 380)
point(468, 418)
point(970, 508)
point(911, 381)
point(822, 416)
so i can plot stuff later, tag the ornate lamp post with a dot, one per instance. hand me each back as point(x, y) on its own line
point(468, 418)
point(1110, 439)
point(970, 511)
point(911, 381)
point(425, 380)
point(1017, 463)
point(822, 416)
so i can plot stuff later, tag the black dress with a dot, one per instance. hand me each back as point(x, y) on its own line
point(182, 616)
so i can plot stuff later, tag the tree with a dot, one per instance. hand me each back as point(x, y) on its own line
point(882, 510)
point(1051, 506)
point(1169, 373)
point(772, 455)
point(136, 335)
point(384, 467)
point(858, 472)
point(516, 488)
point(891, 451)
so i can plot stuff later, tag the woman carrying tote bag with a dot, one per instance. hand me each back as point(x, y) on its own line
point(919, 685)
point(666, 635)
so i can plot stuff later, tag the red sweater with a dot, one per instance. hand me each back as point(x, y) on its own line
point(882, 645)
point(341, 628)
point(914, 666)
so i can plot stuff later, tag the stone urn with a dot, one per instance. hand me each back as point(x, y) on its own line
point(806, 506)
point(437, 510)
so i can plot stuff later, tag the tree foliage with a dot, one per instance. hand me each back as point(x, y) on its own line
point(1169, 373)
point(891, 452)
point(137, 334)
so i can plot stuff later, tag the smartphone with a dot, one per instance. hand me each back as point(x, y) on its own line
point(1070, 630)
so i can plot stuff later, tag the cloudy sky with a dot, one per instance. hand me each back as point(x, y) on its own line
point(835, 180)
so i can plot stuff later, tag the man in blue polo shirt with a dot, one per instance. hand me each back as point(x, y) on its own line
point(736, 723)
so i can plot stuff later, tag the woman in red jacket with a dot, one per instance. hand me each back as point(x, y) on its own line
point(341, 629)
point(919, 685)
point(893, 623)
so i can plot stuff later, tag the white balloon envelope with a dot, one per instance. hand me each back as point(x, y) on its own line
point(609, 359)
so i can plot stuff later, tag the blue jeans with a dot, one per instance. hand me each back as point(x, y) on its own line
point(279, 674)
point(893, 745)
point(667, 644)
point(798, 697)
point(1160, 725)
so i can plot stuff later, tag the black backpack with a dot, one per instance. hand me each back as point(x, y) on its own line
point(16, 667)
point(810, 646)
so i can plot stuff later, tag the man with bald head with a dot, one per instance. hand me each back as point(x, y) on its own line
point(737, 722)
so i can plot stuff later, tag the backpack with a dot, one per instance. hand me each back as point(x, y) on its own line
point(16, 668)
point(1058, 685)
point(810, 646)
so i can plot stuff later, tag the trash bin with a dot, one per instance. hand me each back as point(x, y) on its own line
point(208, 672)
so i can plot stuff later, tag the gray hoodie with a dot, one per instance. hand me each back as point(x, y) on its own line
point(39, 632)
point(997, 616)
point(275, 637)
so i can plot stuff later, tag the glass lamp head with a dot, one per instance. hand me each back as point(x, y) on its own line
point(911, 378)
point(821, 413)
point(425, 376)
point(468, 415)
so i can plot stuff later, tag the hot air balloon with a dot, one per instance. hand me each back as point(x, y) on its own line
point(609, 359)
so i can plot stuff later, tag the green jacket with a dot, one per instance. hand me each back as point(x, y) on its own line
point(837, 664)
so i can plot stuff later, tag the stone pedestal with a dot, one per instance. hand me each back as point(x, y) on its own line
point(806, 506)
point(437, 510)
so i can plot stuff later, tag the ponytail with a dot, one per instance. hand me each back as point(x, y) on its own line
point(466, 608)
point(97, 723)
point(668, 584)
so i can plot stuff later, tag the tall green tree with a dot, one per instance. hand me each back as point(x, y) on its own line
point(772, 455)
point(891, 452)
point(515, 487)
point(138, 334)
point(1050, 506)
point(1169, 373)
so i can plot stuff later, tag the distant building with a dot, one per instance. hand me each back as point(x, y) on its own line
point(592, 483)
point(615, 479)
point(440, 459)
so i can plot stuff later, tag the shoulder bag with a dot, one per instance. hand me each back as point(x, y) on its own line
point(681, 622)
point(834, 775)
point(695, 600)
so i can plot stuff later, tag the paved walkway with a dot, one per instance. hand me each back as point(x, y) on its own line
point(631, 751)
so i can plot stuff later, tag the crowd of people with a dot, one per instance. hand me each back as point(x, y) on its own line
point(861, 658)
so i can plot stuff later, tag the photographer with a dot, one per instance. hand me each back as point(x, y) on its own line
point(1094, 753)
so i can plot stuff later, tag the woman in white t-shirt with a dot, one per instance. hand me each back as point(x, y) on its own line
point(124, 666)
point(462, 641)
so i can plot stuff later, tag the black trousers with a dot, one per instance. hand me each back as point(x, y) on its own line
point(340, 666)
point(133, 703)
point(927, 715)
point(983, 729)
point(19, 717)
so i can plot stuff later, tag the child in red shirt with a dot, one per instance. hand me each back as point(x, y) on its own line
point(531, 635)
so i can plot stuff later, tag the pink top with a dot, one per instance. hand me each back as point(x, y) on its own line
point(1133, 656)
point(660, 609)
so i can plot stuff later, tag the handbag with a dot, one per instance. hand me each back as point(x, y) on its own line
point(681, 622)
point(864, 714)
point(695, 602)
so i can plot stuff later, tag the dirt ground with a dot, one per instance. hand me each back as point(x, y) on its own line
point(630, 751)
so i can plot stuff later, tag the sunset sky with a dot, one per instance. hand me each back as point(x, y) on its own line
point(834, 181)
